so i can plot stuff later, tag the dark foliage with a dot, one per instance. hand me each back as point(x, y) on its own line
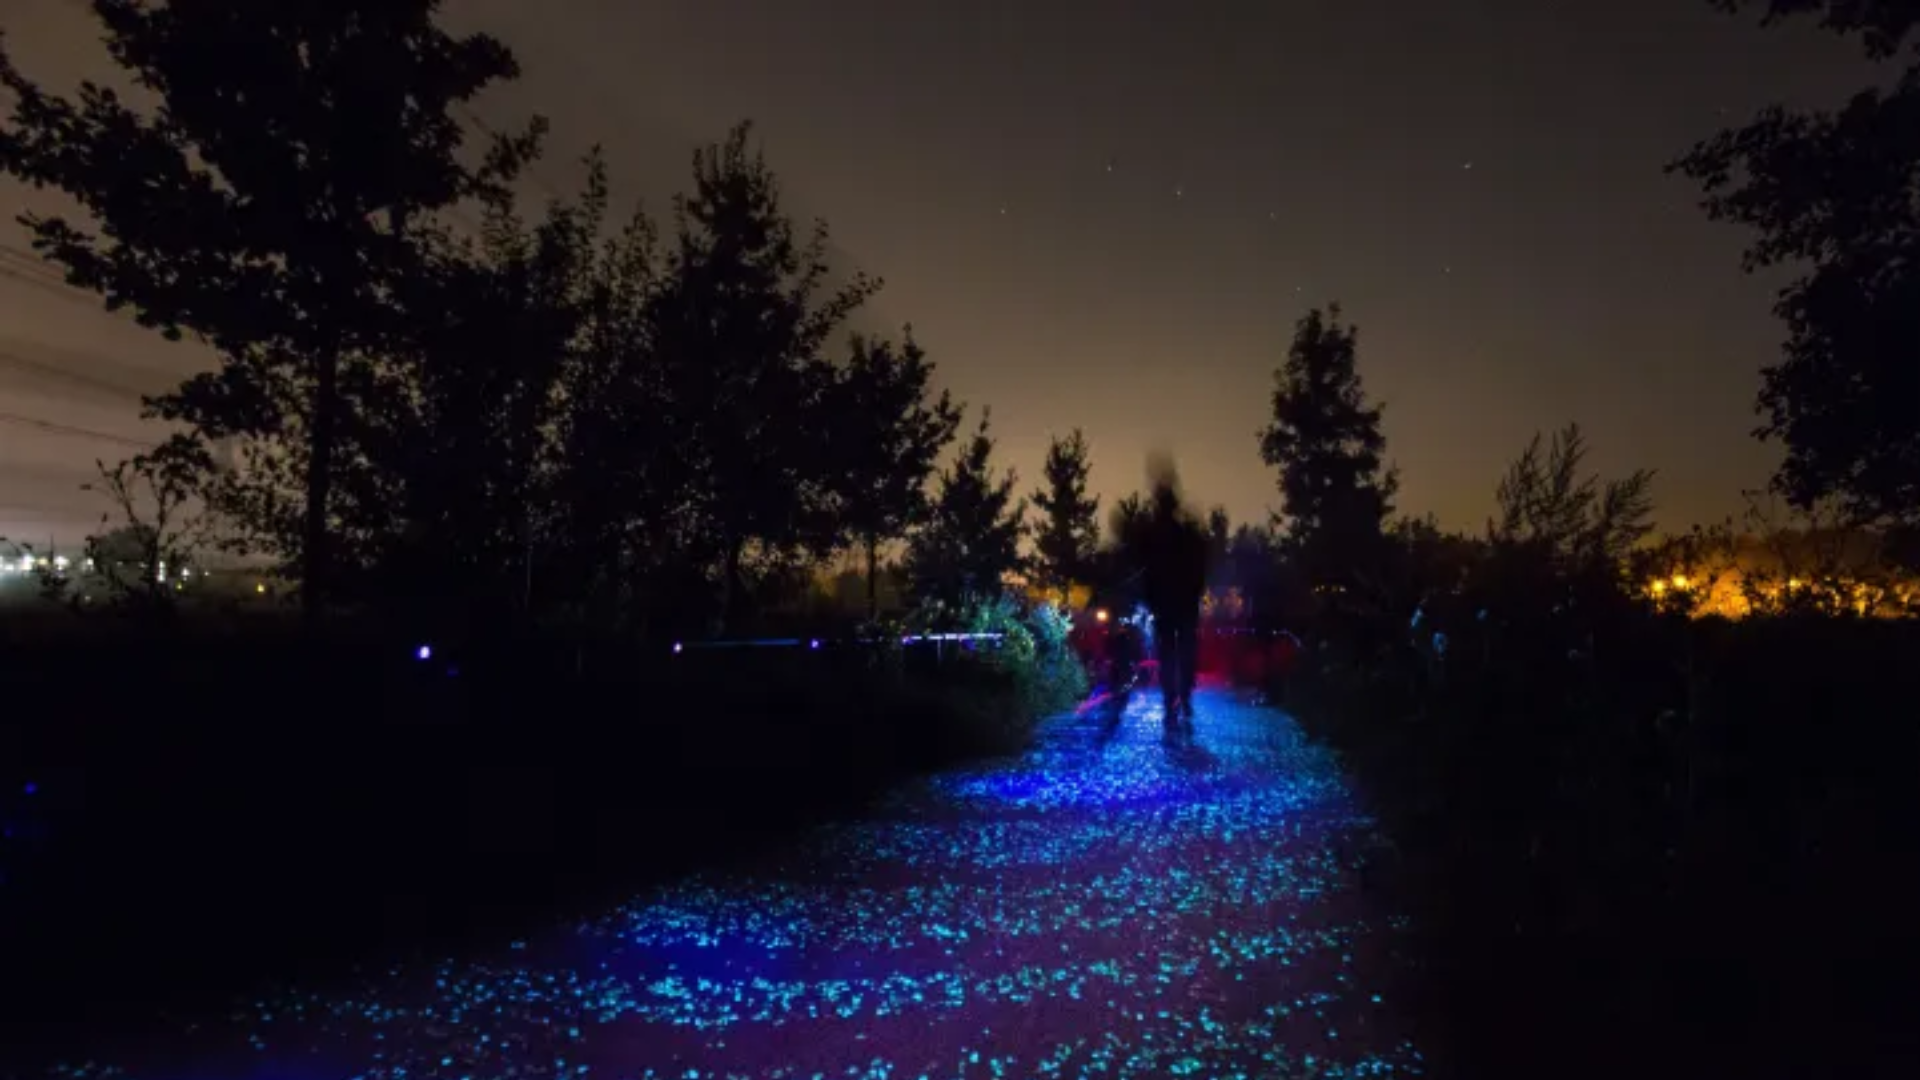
point(1068, 534)
point(1831, 194)
point(1882, 25)
point(740, 321)
point(970, 543)
point(1325, 440)
point(242, 801)
point(271, 206)
point(888, 432)
point(1620, 829)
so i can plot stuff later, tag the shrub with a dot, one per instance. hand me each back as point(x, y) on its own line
point(370, 792)
point(1603, 817)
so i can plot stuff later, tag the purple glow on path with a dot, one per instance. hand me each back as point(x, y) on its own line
point(1099, 907)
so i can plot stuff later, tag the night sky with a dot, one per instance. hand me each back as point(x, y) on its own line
point(1109, 214)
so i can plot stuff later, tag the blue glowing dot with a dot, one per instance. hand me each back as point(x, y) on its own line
point(32, 788)
point(424, 652)
point(814, 644)
point(678, 648)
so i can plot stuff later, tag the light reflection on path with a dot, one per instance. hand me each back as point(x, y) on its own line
point(1117, 909)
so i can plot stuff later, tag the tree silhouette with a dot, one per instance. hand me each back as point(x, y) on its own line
point(888, 432)
point(1571, 518)
point(154, 527)
point(971, 539)
point(1325, 439)
point(1129, 516)
point(620, 489)
point(1834, 192)
point(1219, 535)
point(1883, 25)
point(1069, 529)
point(469, 446)
point(268, 206)
point(1250, 565)
point(739, 324)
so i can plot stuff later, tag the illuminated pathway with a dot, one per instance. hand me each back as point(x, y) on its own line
point(1127, 909)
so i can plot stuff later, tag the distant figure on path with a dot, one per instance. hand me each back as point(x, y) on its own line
point(1175, 550)
point(1286, 658)
point(1122, 665)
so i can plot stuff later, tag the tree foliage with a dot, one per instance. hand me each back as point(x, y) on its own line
point(1547, 502)
point(1068, 534)
point(269, 202)
point(443, 404)
point(970, 542)
point(740, 323)
point(888, 431)
point(1882, 25)
point(1326, 442)
point(155, 528)
point(1832, 192)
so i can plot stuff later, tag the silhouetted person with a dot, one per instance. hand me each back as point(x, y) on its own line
point(1286, 658)
point(1122, 659)
point(1175, 580)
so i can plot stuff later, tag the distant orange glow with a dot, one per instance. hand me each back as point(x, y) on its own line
point(1729, 593)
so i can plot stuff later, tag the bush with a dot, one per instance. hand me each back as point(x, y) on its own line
point(1646, 837)
point(230, 801)
point(1025, 674)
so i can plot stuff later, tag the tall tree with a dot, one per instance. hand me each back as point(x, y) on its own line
point(268, 204)
point(741, 318)
point(1069, 530)
point(619, 487)
point(1326, 441)
point(888, 430)
point(971, 539)
point(1832, 192)
point(472, 444)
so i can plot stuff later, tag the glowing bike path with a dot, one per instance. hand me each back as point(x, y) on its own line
point(1099, 907)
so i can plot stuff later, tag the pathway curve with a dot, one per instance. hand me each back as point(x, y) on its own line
point(1099, 909)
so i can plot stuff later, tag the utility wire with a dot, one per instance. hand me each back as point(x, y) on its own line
point(20, 363)
point(68, 429)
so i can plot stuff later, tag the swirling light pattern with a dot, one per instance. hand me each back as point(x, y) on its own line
point(1106, 906)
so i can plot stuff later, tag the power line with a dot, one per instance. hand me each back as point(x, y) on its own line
point(52, 428)
point(21, 363)
point(59, 290)
point(32, 263)
point(29, 268)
